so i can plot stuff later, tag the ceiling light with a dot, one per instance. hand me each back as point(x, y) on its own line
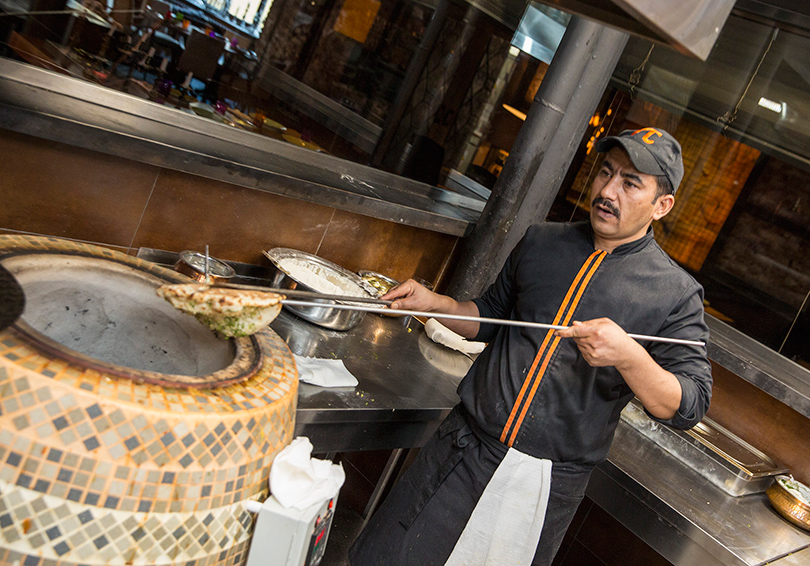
point(514, 111)
point(771, 105)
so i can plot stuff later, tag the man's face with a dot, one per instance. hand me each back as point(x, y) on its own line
point(623, 202)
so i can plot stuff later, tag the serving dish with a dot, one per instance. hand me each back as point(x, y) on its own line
point(294, 269)
point(726, 460)
point(381, 283)
point(273, 125)
point(790, 498)
point(295, 140)
point(202, 109)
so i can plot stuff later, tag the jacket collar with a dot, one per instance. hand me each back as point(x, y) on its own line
point(629, 247)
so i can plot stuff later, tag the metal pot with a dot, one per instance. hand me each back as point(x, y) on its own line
point(192, 264)
point(324, 316)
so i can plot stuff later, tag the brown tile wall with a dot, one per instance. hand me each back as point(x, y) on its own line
point(53, 189)
point(50, 188)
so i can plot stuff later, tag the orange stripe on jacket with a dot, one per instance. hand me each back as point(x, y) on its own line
point(587, 266)
point(554, 344)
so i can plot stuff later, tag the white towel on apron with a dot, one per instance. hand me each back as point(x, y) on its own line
point(505, 525)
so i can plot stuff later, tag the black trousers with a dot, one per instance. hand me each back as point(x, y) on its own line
point(420, 521)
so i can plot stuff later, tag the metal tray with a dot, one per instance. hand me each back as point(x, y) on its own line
point(714, 452)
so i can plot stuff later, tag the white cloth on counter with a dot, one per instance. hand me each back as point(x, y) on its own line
point(324, 373)
point(298, 480)
point(440, 334)
point(514, 502)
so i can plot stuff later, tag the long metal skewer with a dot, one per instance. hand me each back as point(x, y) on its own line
point(380, 310)
point(501, 321)
point(314, 295)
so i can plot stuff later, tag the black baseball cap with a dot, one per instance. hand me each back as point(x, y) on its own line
point(652, 150)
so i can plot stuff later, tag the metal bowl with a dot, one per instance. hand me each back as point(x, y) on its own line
point(192, 264)
point(788, 504)
point(334, 319)
point(380, 283)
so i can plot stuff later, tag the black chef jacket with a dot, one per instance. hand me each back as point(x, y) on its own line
point(536, 393)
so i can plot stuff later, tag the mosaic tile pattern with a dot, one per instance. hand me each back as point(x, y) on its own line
point(96, 446)
point(272, 383)
point(14, 243)
point(75, 442)
point(40, 529)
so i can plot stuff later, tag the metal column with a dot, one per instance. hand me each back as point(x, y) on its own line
point(542, 153)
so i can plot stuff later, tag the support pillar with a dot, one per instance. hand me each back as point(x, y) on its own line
point(542, 152)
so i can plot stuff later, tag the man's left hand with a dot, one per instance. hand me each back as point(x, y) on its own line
point(602, 342)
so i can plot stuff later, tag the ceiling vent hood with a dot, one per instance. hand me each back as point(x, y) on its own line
point(689, 26)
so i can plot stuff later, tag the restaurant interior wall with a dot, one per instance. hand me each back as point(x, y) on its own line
point(355, 53)
point(53, 189)
point(364, 72)
point(453, 98)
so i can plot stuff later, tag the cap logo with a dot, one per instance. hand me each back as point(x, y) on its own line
point(647, 138)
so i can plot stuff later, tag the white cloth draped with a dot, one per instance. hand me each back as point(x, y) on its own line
point(505, 525)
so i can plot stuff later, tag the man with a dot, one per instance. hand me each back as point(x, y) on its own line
point(501, 479)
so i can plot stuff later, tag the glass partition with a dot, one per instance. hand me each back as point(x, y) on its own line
point(741, 223)
point(359, 79)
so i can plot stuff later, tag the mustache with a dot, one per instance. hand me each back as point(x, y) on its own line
point(607, 204)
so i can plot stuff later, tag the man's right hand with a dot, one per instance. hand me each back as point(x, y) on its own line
point(410, 295)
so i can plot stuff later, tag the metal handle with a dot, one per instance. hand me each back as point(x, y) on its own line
point(350, 303)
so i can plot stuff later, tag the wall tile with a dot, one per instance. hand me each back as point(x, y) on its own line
point(187, 212)
point(57, 190)
point(360, 242)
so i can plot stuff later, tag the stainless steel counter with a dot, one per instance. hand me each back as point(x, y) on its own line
point(684, 517)
point(407, 385)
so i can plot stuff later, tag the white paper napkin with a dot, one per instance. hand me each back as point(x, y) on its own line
point(440, 334)
point(298, 480)
point(324, 373)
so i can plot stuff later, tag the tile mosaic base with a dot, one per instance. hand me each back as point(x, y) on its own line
point(40, 527)
point(72, 444)
point(100, 469)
